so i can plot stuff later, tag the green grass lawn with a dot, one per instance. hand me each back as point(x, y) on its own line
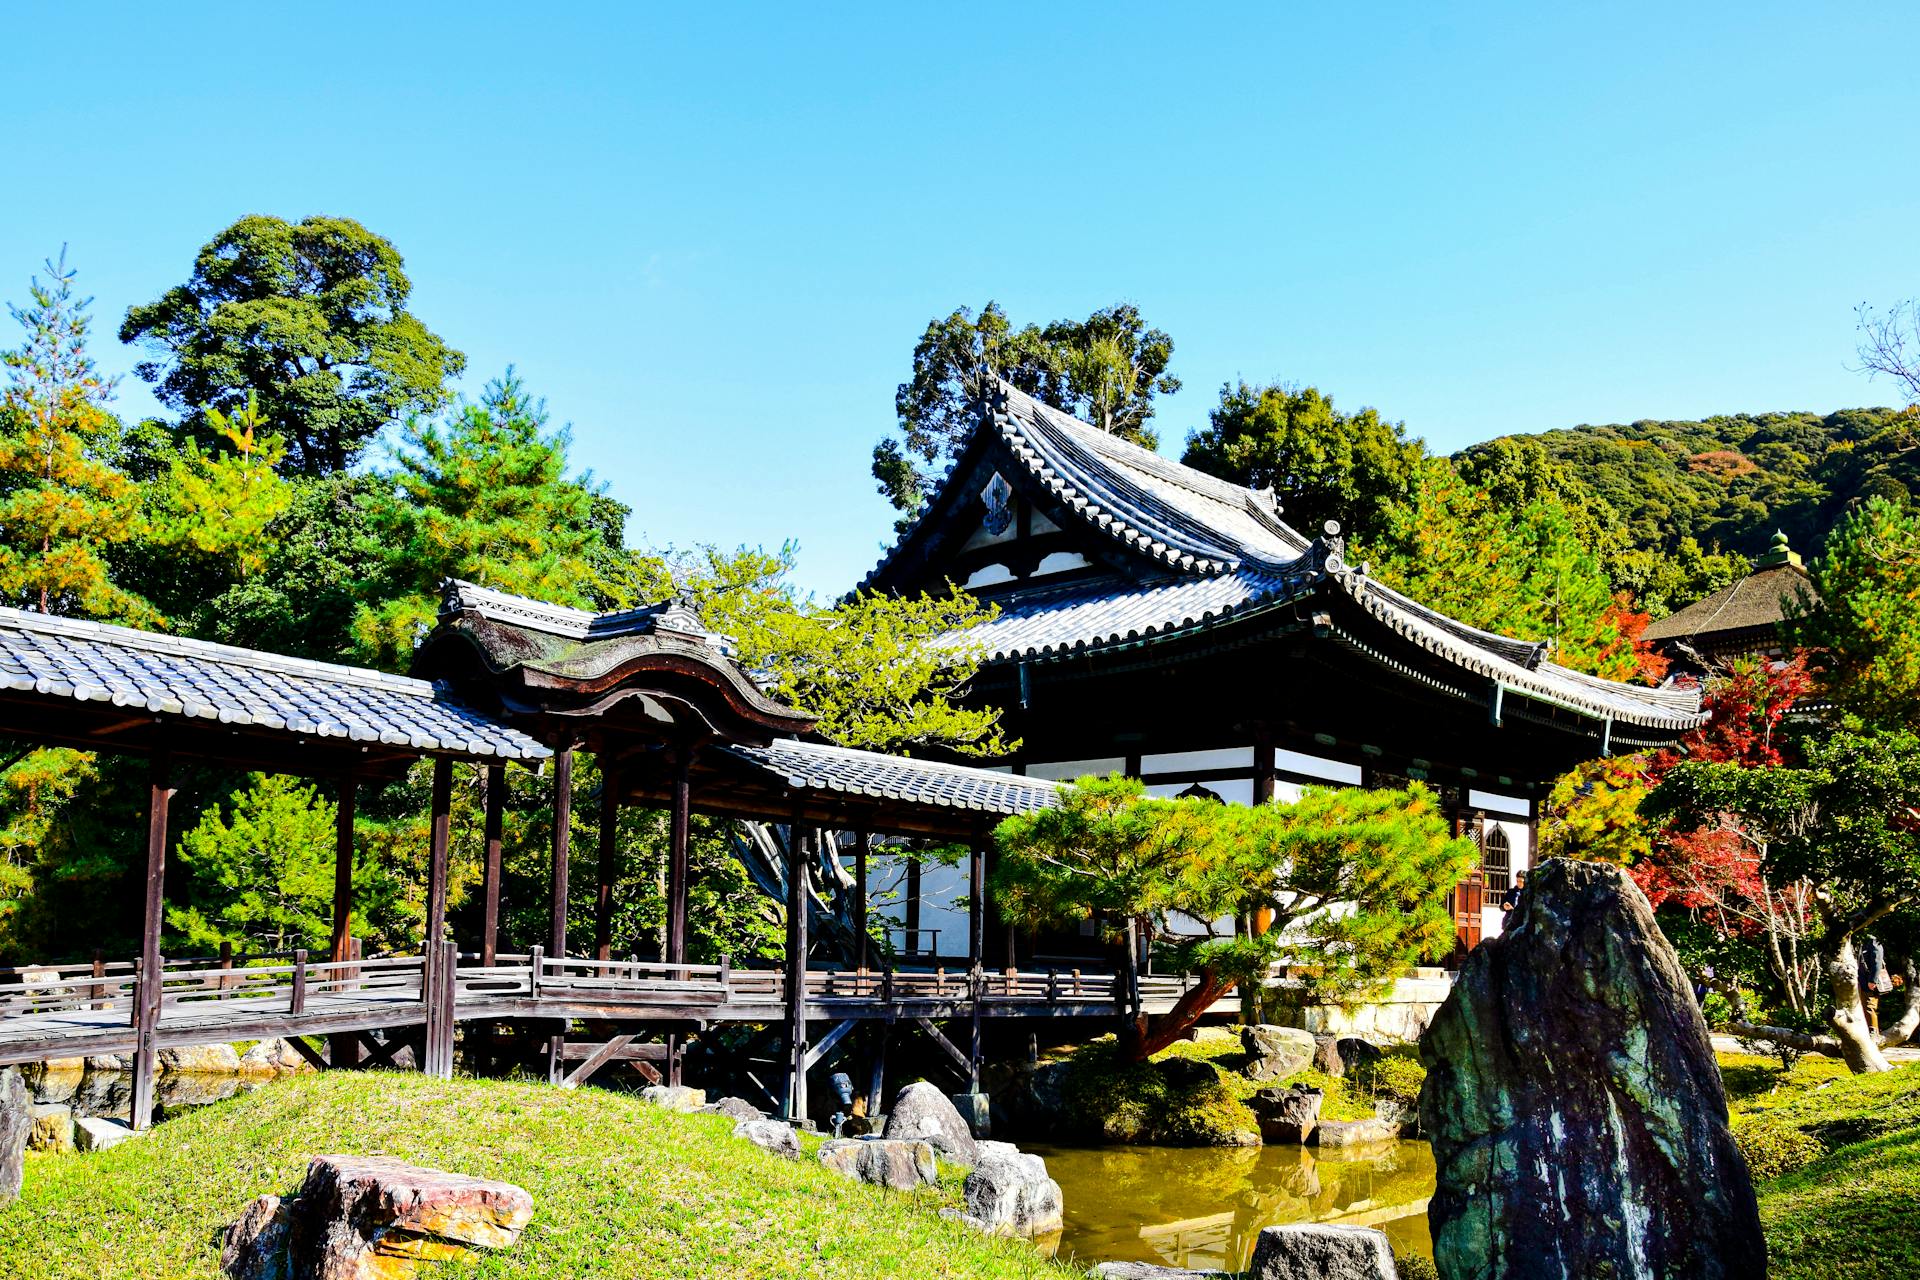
point(621, 1189)
point(1851, 1212)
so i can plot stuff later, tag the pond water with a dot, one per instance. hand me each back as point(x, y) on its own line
point(1203, 1207)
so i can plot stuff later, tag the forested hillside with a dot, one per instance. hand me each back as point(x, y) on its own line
point(1731, 481)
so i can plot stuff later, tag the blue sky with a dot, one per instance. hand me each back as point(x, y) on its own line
point(711, 238)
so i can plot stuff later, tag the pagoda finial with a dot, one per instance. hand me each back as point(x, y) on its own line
point(1780, 555)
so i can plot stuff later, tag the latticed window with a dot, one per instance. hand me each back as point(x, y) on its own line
point(1496, 859)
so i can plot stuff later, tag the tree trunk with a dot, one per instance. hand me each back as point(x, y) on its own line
point(1902, 1031)
point(1849, 1017)
point(1177, 1021)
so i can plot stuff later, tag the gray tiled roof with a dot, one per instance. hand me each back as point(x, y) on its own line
point(813, 766)
point(1225, 554)
point(168, 675)
point(1757, 600)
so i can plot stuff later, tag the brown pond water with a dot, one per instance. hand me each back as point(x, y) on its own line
point(1203, 1207)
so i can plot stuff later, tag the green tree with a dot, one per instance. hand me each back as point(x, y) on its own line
point(486, 498)
point(219, 503)
point(1322, 464)
point(1867, 625)
point(1110, 853)
point(1107, 369)
point(1844, 821)
point(63, 502)
point(261, 869)
point(309, 316)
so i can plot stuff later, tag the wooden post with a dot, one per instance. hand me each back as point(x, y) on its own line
point(977, 906)
point(677, 867)
point(496, 815)
point(343, 872)
point(297, 1001)
point(798, 852)
point(877, 1080)
point(977, 987)
point(607, 864)
point(150, 978)
point(562, 840)
point(862, 846)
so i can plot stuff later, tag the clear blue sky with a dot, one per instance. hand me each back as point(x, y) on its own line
point(710, 241)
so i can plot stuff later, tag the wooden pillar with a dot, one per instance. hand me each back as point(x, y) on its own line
point(562, 840)
point(677, 871)
point(439, 843)
point(910, 913)
point(977, 906)
point(876, 1082)
point(608, 863)
point(798, 856)
point(343, 875)
point(490, 883)
point(147, 1002)
point(862, 846)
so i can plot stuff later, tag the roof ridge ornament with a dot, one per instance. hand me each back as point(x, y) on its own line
point(1329, 550)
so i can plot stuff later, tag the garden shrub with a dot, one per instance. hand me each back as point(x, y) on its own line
point(1396, 1077)
point(1775, 1150)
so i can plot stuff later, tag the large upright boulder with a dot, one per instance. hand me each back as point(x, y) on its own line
point(1008, 1192)
point(16, 1123)
point(1574, 1105)
point(1274, 1053)
point(924, 1114)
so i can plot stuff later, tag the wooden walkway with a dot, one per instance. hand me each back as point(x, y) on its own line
point(75, 1011)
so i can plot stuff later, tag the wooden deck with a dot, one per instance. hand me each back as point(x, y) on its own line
point(76, 1011)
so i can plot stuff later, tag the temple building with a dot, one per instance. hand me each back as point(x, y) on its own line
point(1157, 621)
point(1739, 621)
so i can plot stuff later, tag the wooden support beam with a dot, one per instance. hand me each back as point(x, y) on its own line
point(798, 850)
point(977, 984)
point(818, 1052)
point(877, 1078)
point(600, 1057)
point(343, 873)
point(439, 843)
point(607, 862)
point(378, 1054)
point(862, 847)
point(680, 811)
point(562, 841)
point(927, 1025)
point(315, 1059)
point(147, 992)
point(977, 905)
point(490, 876)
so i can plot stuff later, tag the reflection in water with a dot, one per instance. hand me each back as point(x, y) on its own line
point(1203, 1207)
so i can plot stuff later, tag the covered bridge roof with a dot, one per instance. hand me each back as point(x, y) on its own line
point(99, 686)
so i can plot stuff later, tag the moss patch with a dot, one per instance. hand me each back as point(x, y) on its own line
point(621, 1189)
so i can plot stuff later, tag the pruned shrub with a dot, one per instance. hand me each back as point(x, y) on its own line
point(1775, 1150)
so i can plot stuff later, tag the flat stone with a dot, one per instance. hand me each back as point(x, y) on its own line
point(776, 1136)
point(105, 1062)
point(1354, 1133)
point(1149, 1271)
point(1008, 1192)
point(97, 1133)
point(675, 1097)
point(885, 1162)
point(1287, 1114)
point(16, 1125)
point(1574, 1104)
point(1322, 1251)
point(737, 1108)
point(922, 1113)
point(1276, 1052)
point(52, 1127)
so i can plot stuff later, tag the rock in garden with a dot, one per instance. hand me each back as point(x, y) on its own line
point(675, 1097)
point(273, 1058)
point(855, 1127)
point(923, 1113)
point(1149, 1271)
point(105, 1062)
point(1276, 1052)
point(1322, 1251)
point(1289, 1114)
point(204, 1059)
point(55, 1080)
point(371, 1218)
point(737, 1108)
point(776, 1136)
point(16, 1123)
point(1008, 1192)
point(974, 1112)
point(885, 1162)
point(97, 1133)
point(1326, 1056)
point(1355, 1133)
point(52, 1128)
point(1573, 1102)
